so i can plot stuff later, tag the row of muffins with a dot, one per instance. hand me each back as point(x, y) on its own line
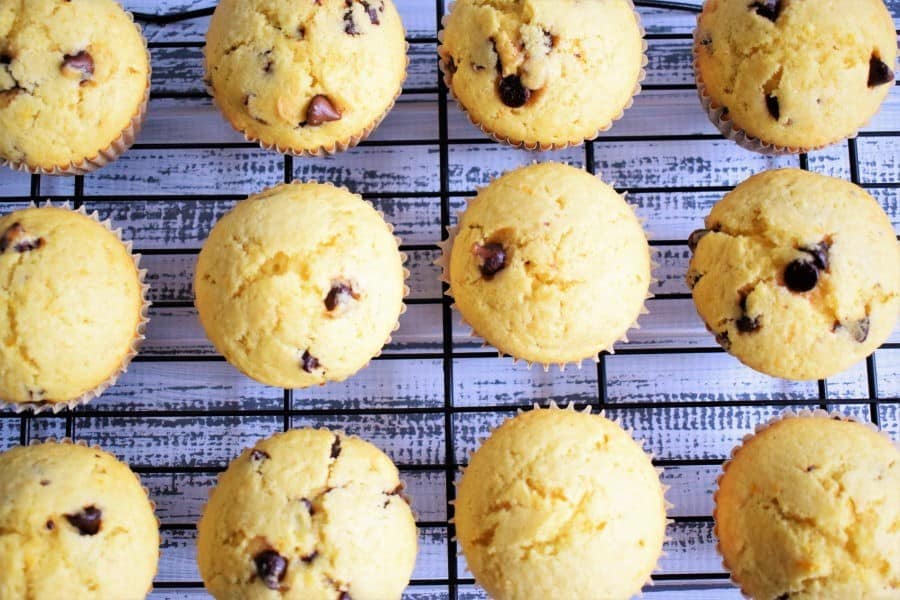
point(312, 76)
point(796, 274)
point(806, 507)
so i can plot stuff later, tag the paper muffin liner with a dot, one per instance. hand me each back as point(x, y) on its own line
point(817, 413)
point(84, 444)
point(111, 152)
point(553, 405)
point(139, 334)
point(538, 146)
point(443, 261)
point(335, 148)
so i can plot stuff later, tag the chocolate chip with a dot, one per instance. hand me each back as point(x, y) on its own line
point(512, 92)
point(341, 293)
point(270, 63)
point(81, 62)
point(350, 27)
point(5, 59)
point(301, 32)
point(87, 521)
point(321, 110)
point(16, 238)
point(723, 340)
point(310, 557)
point(344, 596)
point(785, 596)
point(772, 105)
point(801, 276)
point(451, 65)
point(308, 505)
point(879, 72)
point(695, 237)
point(819, 254)
point(372, 11)
point(811, 468)
point(493, 258)
point(770, 9)
point(550, 41)
point(693, 278)
point(271, 568)
point(45, 482)
point(50, 525)
point(336, 447)
point(747, 325)
point(308, 362)
point(258, 455)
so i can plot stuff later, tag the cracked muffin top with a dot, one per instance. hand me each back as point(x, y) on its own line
point(311, 515)
point(305, 76)
point(73, 75)
point(797, 274)
point(560, 504)
point(543, 73)
point(794, 73)
point(75, 523)
point(549, 264)
point(300, 285)
point(70, 305)
point(808, 508)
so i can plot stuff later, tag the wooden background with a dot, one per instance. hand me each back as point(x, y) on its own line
point(181, 413)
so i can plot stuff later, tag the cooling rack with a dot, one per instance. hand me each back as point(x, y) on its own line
point(181, 413)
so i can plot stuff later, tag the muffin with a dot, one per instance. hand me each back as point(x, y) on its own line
point(549, 264)
point(72, 308)
point(300, 285)
point(560, 504)
point(74, 84)
point(305, 76)
point(74, 523)
point(797, 274)
point(308, 514)
point(543, 74)
point(808, 509)
point(782, 76)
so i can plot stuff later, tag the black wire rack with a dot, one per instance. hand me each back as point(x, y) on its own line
point(456, 583)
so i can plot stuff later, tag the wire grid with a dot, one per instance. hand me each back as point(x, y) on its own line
point(449, 411)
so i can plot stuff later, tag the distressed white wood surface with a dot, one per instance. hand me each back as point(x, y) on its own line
point(181, 413)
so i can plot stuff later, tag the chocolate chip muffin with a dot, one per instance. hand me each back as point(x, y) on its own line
point(305, 76)
point(797, 274)
point(791, 76)
point(74, 84)
point(549, 265)
point(74, 523)
point(308, 514)
point(543, 74)
point(72, 308)
point(550, 490)
point(808, 508)
point(300, 285)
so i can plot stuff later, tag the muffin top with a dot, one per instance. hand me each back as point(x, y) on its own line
point(797, 74)
point(72, 77)
point(543, 72)
point(74, 523)
point(550, 264)
point(311, 514)
point(797, 274)
point(70, 305)
point(300, 285)
point(550, 490)
point(305, 75)
point(808, 509)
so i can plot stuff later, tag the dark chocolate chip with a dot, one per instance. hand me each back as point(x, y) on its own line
point(301, 32)
point(372, 11)
point(746, 324)
point(350, 25)
point(693, 278)
point(45, 482)
point(271, 568)
point(770, 9)
point(493, 258)
point(819, 254)
point(17, 238)
point(801, 276)
point(309, 506)
point(5, 59)
point(270, 63)
point(811, 468)
point(772, 105)
point(82, 62)
point(879, 72)
point(550, 41)
point(308, 362)
point(336, 447)
point(310, 557)
point(723, 340)
point(258, 455)
point(321, 110)
point(785, 596)
point(50, 525)
point(87, 521)
point(512, 92)
point(345, 596)
point(695, 237)
point(706, 41)
point(340, 294)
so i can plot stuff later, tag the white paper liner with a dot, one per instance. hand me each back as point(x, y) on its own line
point(139, 336)
point(336, 147)
point(537, 146)
point(443, 261)
point(115, 149)
point(553, 405)
point(817, 413)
